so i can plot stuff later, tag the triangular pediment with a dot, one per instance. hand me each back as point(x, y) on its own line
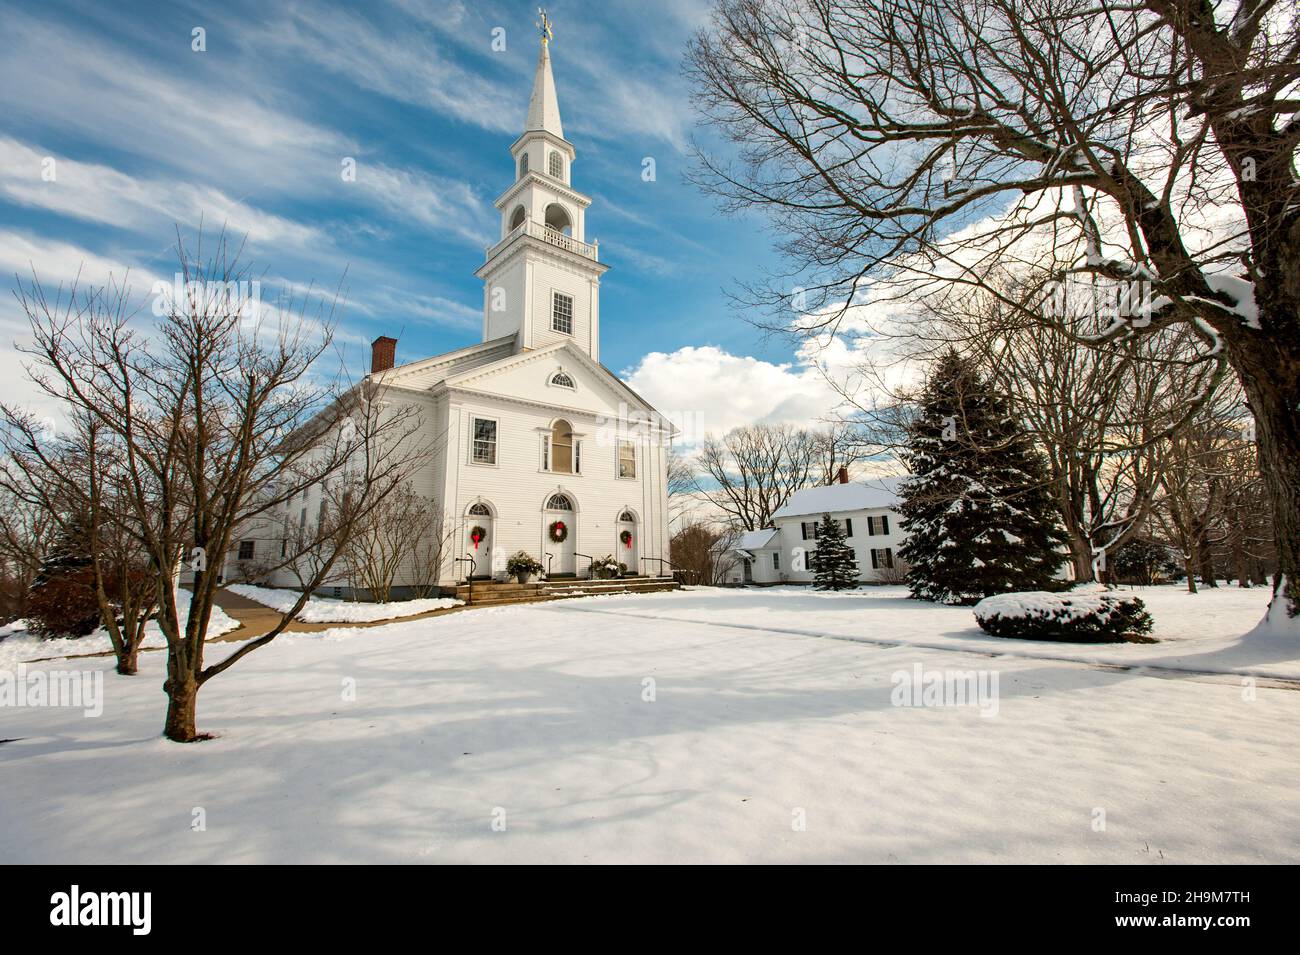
point(529, 376)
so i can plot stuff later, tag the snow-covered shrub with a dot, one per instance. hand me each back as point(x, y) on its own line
point(1076, 617)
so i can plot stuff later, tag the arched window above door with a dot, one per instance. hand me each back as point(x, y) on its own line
point(559, 502)
point(480, 510)
point(627, 516)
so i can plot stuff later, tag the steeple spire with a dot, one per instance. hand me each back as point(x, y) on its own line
point(544, 107)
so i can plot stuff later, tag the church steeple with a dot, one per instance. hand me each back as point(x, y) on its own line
point(544, 107)
point(542, 280)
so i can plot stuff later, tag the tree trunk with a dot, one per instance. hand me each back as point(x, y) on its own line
point(1189, 565)
point(127, 661)
point(182, 698)
point(1270, 376)
point(1209, 576)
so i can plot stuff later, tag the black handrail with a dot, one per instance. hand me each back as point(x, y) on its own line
point(591, 563)
point(549, 557)
point(469, 578)
point(660, 560)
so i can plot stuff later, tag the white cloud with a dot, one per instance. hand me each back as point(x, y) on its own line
point(441, 204)
point(404, 66)
point(707, 390)
point(111, 97)
point(99, 193)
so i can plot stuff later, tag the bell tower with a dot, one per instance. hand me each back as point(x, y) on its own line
point(541, 281)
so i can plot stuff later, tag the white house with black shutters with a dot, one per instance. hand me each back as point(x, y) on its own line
point(787, 551)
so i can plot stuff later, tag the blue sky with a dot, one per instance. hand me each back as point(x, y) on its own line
point(145, 132)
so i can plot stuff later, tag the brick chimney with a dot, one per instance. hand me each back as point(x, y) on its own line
point(383, 351)
point(842, 476)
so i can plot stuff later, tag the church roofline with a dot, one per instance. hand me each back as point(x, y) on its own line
point(549, 137)
point(535, 354)
point(563, 188)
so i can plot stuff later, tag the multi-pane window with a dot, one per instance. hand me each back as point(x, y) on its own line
point(878, 525)
point(245, 550)
point(557, 165)
point(882, 557)
point(776, 560)
point(809, 530)
point(626, 459)
point(562, 312)
point(848, 527)
point(485, 441)
point(563, 380)
point(562, 457)
point(523, 165)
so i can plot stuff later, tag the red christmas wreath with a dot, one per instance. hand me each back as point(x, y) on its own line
point(626, 537)
point(559, 532)
point(478, 535)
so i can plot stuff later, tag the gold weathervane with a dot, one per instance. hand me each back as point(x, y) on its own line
point(544, 24)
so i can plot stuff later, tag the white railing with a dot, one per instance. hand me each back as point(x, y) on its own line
point(537, 230)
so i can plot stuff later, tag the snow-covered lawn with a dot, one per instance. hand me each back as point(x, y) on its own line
point(16, 645)
point(541, 718)
point(325, 610)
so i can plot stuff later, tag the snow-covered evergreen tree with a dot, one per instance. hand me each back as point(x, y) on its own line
point(835, 566)
point(979, 513)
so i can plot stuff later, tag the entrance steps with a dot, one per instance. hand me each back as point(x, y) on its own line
point(495, 593)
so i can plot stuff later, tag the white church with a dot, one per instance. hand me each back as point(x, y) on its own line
point(541, 447)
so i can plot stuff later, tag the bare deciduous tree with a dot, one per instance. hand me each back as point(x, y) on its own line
point(402, 539)
point(218, 418)
point(915, 144)
point(750, 472)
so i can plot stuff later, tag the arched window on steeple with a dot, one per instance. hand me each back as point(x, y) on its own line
point(557, 165)
point(518, 218)
point(523, 165)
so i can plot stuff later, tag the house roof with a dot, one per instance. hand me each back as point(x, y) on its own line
point(754, 540)
point(838, 498)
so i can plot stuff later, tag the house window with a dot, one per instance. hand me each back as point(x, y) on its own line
point(809, 529)
point(627, 517)
point(480, 510)
point(557, 165)
point(561, 448)
point(245, 550)
point(559, 502)
point(523, 165)
point(485, 441)
point(562, 380)
point(848, 527)
point(626, 459)
point(562, 312)
point(882, 557)
point(776, 560)
point(878, 525)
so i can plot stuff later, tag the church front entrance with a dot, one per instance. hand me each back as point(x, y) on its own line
point(558, 521)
